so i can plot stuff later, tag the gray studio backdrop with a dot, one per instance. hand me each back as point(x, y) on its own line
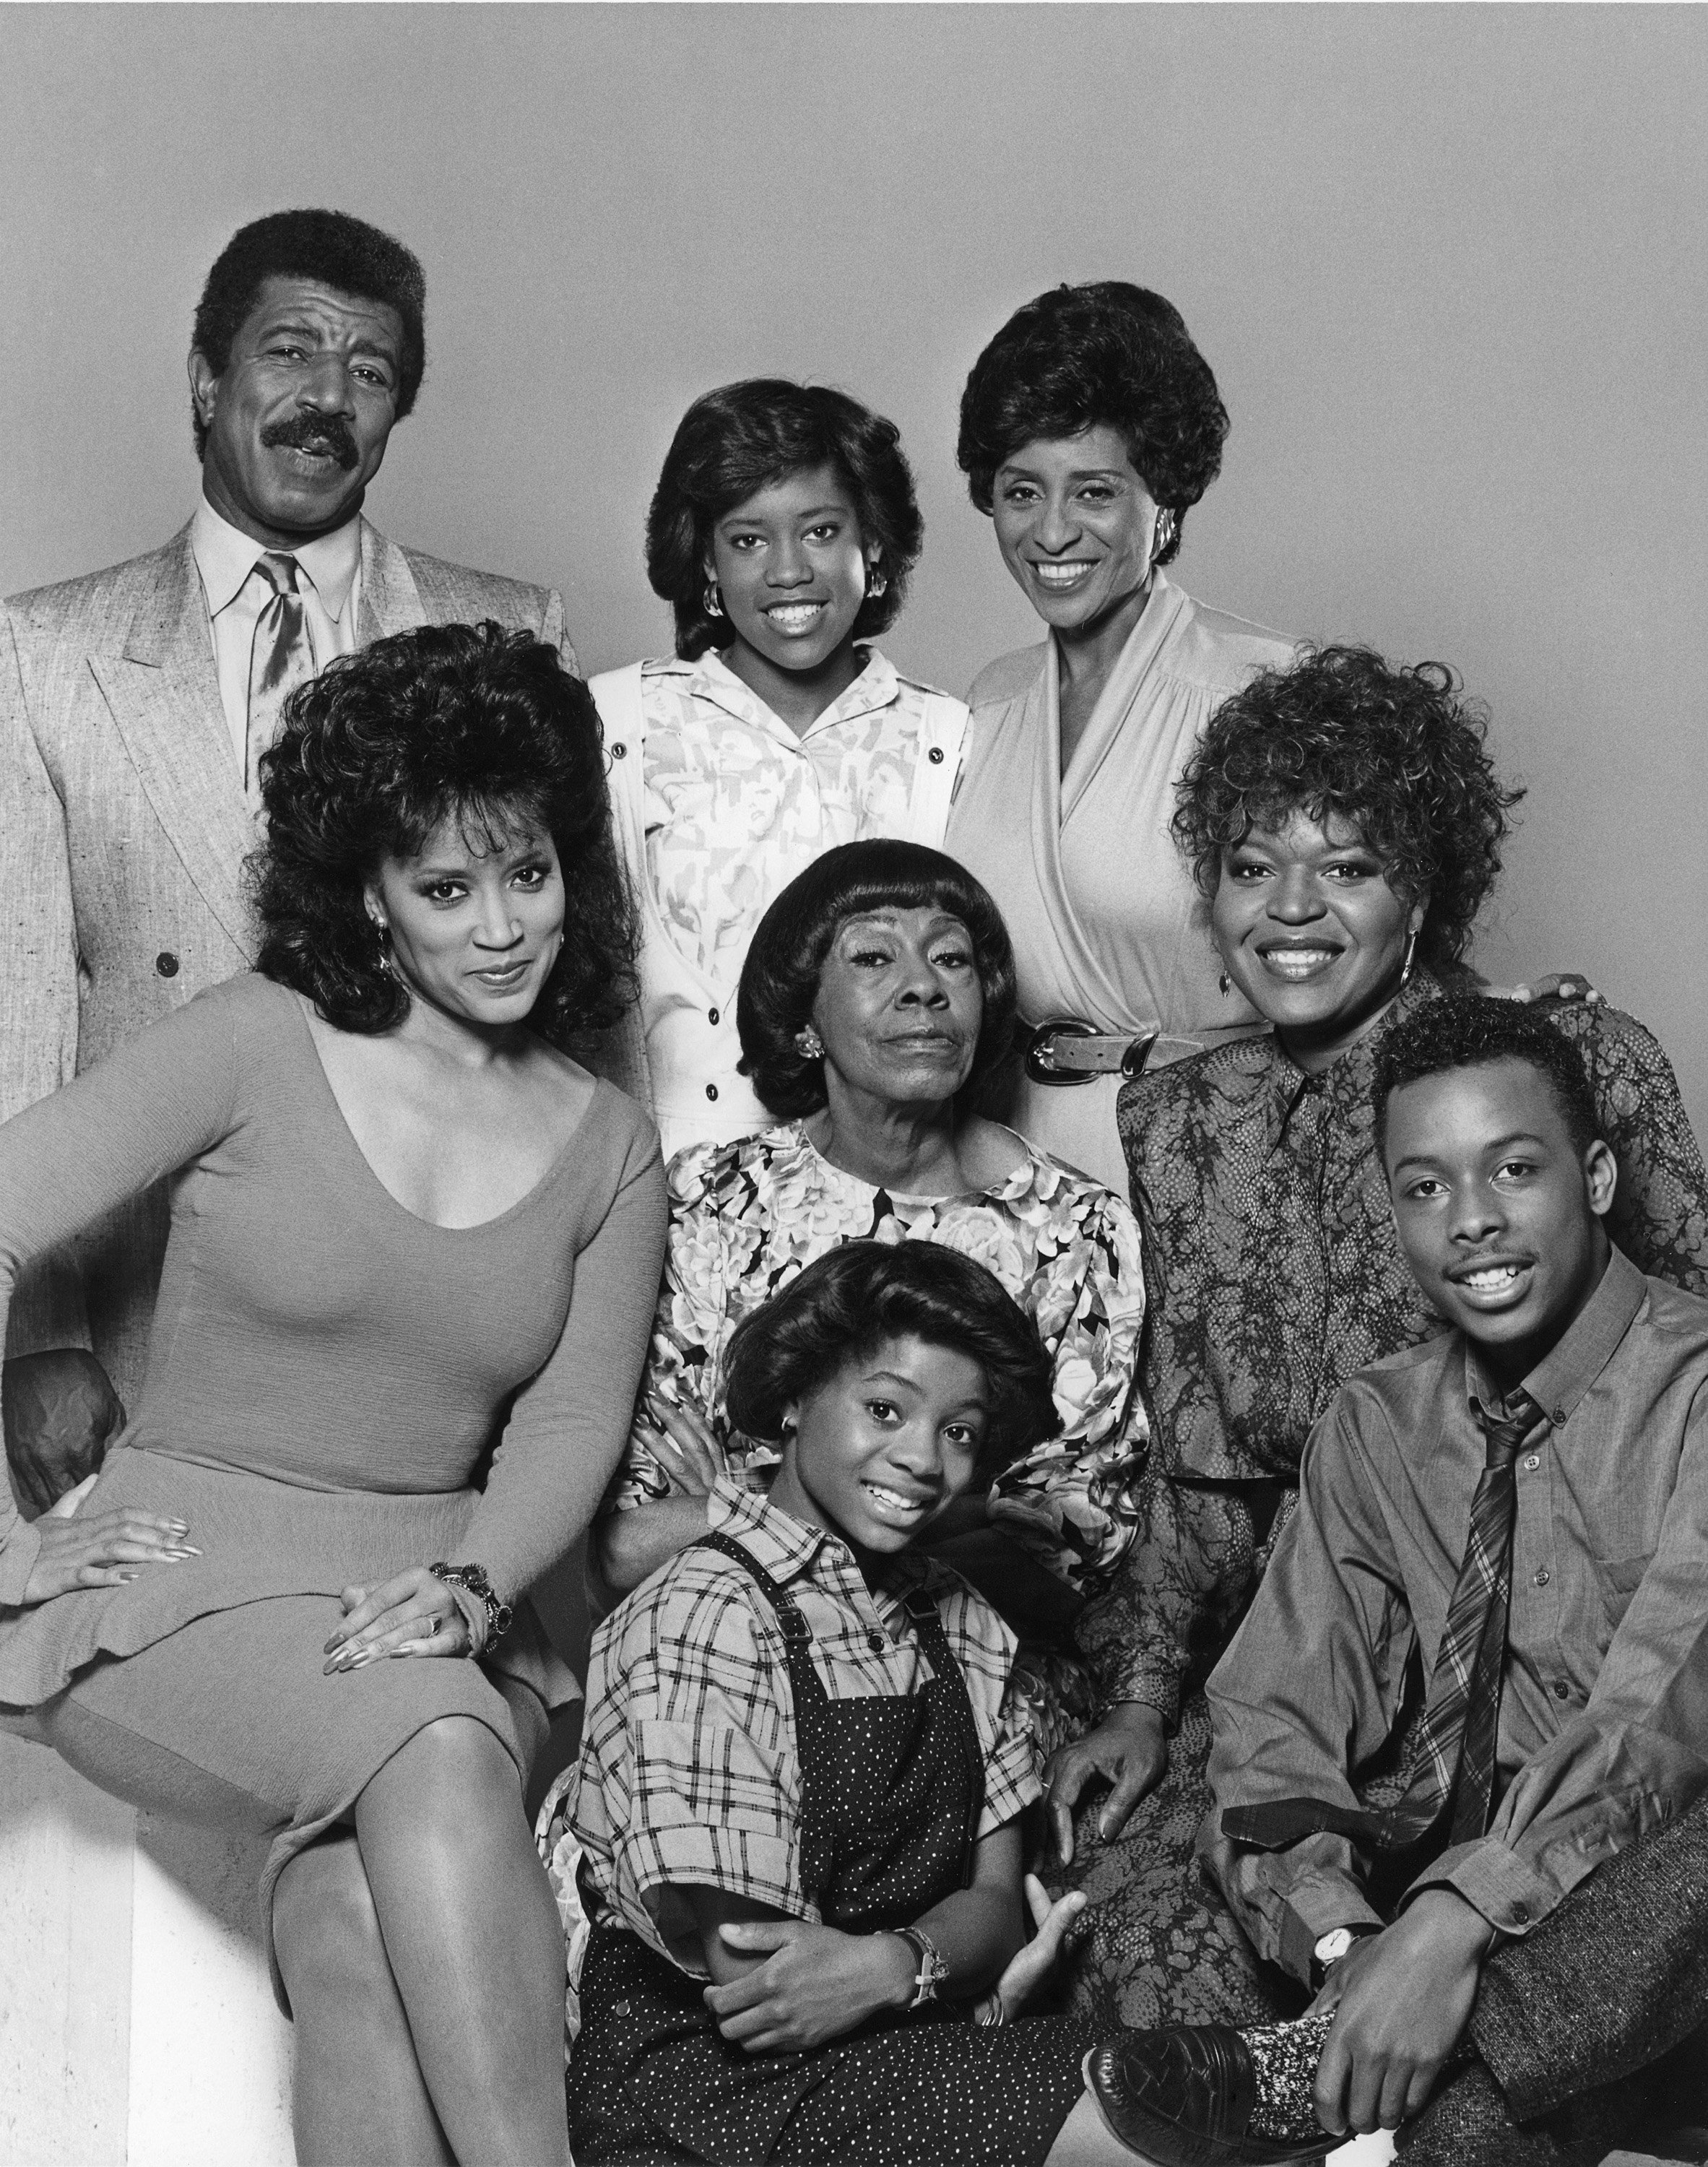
point(1448, 264)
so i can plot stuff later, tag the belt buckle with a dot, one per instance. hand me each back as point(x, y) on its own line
point(1039, 1065)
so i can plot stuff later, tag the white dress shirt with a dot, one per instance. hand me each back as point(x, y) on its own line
point(329, 578)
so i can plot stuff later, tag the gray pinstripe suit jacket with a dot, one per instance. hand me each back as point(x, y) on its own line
point(123, 834)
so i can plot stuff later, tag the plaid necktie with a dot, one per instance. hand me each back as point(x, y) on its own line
point(1456, 1740)
point(1455, 1754)
point(280, 659)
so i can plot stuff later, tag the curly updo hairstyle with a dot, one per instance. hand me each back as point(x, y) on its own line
point(747, 437)
point(1110, 355)
point(785, 959)
point(1469, 1031)
point(459, 722)
point(1396, 754)
point(842, 1308)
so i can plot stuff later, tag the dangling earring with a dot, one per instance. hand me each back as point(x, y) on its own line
point(713, 600)
point(1162, 541)
point(809, 1045)
point(1410, 950)
point(381, 934)
point(1225, 983)
point(876, 584)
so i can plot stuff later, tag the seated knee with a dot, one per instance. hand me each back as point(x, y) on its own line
point(326, 1928)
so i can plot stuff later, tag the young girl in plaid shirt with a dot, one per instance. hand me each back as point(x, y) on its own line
point(794, 1824)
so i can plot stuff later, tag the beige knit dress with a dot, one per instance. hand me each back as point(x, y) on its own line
point(336, 1390)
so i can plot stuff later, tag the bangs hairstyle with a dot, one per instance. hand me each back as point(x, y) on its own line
point(466, 722)
point(1395, 753)
point(1110, 355)
point(1468, 1031)
point(842, 1308)
point(333, 249)
point(785, 960)
point(747, 437)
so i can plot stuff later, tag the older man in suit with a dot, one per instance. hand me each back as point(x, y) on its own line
point(135, 703)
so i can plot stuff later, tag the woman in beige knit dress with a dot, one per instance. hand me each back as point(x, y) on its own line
point(413, 1259)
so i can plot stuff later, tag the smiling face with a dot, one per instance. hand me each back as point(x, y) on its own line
point(899, 1007)
point(1499, 1213)
point(792, 568)
point(1076, 526)
point(1311, 933)
point(298, 419)
point(476, 921)
point(875, 1454)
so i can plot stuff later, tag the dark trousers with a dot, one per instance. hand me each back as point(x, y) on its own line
point(1573, 2023)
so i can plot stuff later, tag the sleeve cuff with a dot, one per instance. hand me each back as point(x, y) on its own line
point(1157, 1685)
point(1316, 1904)
point(1511, 1896)
point(18, 1553)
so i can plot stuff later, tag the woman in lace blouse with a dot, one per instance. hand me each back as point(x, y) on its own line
point(877, 995)
point(1344, 821)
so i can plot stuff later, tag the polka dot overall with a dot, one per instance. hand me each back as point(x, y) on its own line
point(892, 1789)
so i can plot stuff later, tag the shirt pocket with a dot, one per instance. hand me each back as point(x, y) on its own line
point(1618, 1579)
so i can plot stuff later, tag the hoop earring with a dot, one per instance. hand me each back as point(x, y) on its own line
point(809, 1045)
point(712, 598)
point(1410, 950)
point(1225, 983)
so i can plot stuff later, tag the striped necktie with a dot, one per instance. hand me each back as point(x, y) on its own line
point(281, 659)
point(1456, 1740)
point(1454, 1757)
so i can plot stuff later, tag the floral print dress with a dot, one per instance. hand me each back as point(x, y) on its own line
point(746, 1217)
point(1273, 1273)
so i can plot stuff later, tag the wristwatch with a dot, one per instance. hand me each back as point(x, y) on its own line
point(933, 1970)
point(1329, 1951)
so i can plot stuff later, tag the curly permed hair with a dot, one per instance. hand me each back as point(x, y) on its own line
point(460, 722)
point(1104, 354)
point(747, 437)
point(1395, 753)
point(1468, 1031)
point(785, 958)
point(333, 249)
point(848, 1303)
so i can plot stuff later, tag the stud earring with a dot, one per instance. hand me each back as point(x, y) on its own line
point(809, 1045)
point(1225, 983)
point(713, 599)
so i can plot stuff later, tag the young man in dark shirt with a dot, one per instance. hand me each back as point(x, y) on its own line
point(1510, 1525)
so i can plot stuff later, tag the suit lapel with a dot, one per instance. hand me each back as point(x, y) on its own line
point(163, 693)
point(391, 602)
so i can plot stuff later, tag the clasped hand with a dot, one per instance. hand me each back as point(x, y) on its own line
point(818, 1983)
point(1402, 1999)
point(412, 1614)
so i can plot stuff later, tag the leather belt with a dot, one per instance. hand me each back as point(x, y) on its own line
point(1066, 1049)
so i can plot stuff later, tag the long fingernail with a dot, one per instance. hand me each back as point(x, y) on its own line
point(178, 1527)
point(363, 1655)
point(184, 1550)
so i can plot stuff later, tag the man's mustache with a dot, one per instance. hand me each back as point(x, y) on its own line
point(314, 432)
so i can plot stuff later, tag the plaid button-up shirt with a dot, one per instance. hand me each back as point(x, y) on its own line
point(688, 1768)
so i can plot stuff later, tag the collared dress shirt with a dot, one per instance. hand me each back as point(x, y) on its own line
point(736, 803)
point(329, 578)
point(746, 1217)
point(689, 1770)
point(1273, 1274)
point(1603, 1729)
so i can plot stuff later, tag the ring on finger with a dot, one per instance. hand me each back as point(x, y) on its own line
point(432, 1627)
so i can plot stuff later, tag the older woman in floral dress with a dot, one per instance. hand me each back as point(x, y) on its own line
point(877, 995)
